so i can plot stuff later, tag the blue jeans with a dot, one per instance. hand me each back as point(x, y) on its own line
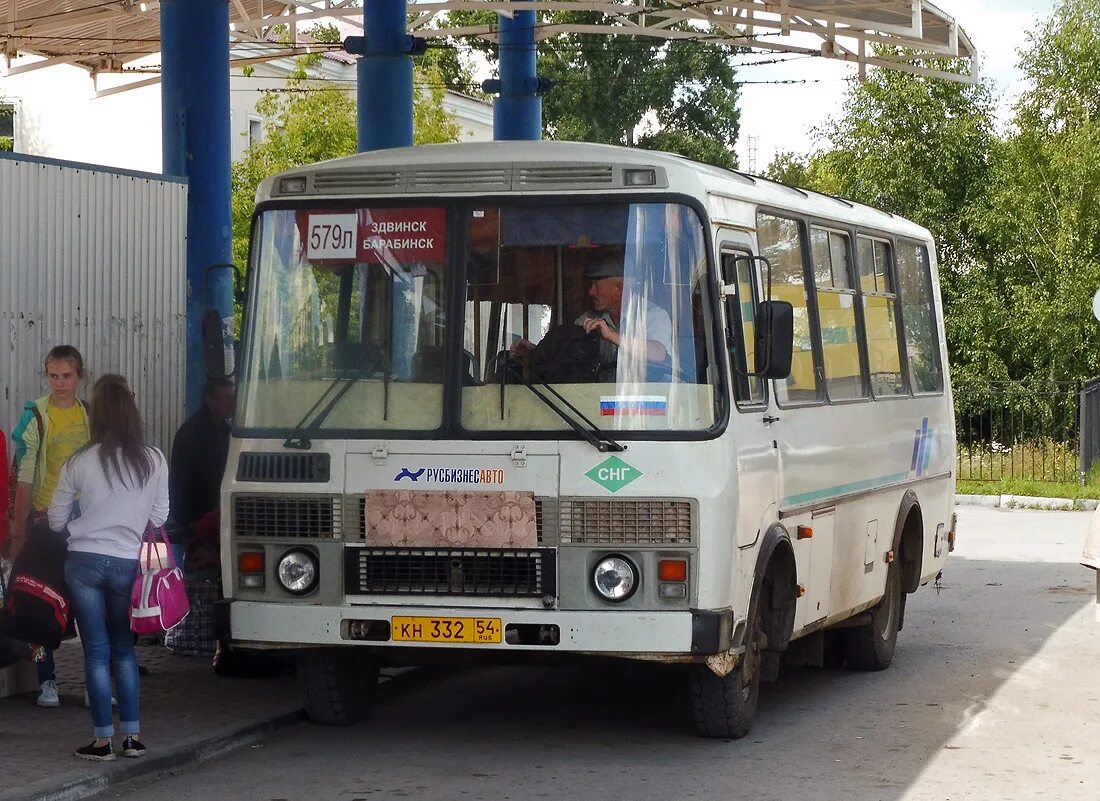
point(100, 590)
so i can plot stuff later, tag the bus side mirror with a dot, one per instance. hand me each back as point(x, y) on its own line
point(774, 339)
point(218, 344)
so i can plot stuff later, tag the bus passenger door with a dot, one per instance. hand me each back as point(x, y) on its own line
point(751, 418)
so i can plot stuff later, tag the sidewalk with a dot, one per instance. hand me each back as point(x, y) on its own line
point(187, 714)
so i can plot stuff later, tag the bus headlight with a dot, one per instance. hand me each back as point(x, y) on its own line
point(297, 571)
point(615, 578)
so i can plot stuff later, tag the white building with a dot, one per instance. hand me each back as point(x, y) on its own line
point(114, 119)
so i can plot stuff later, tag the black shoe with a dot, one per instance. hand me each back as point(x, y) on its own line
point(97, 753)
point(132, 747)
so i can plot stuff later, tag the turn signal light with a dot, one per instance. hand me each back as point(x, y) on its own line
point(804, 533)
point(672, 570)
point(250, 562)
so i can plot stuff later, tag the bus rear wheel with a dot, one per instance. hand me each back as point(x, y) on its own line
point(337, 684)
point(871, 646)
point(725, 706)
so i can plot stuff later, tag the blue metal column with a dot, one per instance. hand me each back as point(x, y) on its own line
point(195, 138)
point(385, 75)
point(517, 111)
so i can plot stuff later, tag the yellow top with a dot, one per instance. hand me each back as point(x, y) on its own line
point(67, 432)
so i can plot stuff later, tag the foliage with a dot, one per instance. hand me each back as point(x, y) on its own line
point(617, 89)
point(1042, 214)
point(1040, 459)
point(1030, 489)
point(312, 121)
point(7, 123)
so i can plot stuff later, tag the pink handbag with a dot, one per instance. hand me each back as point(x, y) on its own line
point(158, 600)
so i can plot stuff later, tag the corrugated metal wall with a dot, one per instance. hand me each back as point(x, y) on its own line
point(96, 259)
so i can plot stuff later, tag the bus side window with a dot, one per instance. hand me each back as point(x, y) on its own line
point(919, 318)
point(836, 314)
point(741, 319)
point(781, 243)
point(879, 304)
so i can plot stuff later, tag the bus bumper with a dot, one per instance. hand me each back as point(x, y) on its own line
point(688, 633)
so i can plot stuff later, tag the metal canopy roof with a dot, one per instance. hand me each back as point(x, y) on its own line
point(104, 36)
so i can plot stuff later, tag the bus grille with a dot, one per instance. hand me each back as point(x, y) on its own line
point(283, 467)
point(541, 176)
point(590, 521)
point(287, 516)
point(449, 571)
point(362, 180)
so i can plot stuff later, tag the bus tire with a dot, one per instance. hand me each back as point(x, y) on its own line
point(725, 706)
point(337, 684)
point(871, 646)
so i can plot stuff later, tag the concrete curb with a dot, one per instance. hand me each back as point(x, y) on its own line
point(76, 785)
point(81, 784)
point(1027, 502)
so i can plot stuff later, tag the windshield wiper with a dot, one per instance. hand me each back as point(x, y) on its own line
point(596, 437)
point(299, 435)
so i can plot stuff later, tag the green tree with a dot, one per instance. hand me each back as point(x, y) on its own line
point(914, 146)
point(1042, 218)
point(311, 121)
point(677, 95)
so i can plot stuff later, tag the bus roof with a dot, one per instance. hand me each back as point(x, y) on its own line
point(479, 168)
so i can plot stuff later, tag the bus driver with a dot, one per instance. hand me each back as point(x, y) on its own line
point(605, 319)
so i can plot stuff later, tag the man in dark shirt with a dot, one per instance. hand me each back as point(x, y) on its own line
point(199, 453)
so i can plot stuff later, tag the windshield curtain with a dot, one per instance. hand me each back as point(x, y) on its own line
point(606, 303)
point(352, 294)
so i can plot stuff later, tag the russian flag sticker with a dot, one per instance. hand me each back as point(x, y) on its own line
point(621, 405)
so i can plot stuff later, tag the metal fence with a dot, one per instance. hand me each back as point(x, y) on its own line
point(1025, 430)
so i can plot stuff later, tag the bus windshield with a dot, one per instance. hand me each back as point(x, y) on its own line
point(606, 304)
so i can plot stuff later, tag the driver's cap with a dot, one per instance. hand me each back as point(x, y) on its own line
point(604, 267)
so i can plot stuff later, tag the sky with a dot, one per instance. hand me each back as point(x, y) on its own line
point(780, 117)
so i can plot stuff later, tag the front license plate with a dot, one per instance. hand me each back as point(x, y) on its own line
point(446, 629)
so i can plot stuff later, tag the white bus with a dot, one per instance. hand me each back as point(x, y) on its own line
point(500, 401)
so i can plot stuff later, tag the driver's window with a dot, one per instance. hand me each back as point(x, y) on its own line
point(738, 271)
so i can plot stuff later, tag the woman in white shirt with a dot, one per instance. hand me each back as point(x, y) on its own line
point(120, 485)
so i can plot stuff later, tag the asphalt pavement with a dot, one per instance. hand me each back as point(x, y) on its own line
point(189, 715)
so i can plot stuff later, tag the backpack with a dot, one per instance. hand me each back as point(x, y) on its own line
point(36, 600)
point(19, 449)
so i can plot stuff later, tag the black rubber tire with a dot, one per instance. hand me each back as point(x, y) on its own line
point(337, 684)
point(725, 706)
point(871, 646)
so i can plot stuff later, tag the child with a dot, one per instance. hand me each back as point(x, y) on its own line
point(53, 428)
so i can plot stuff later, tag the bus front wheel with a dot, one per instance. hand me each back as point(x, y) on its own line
point(337, 684)
point(725, 706)
point(871, 646)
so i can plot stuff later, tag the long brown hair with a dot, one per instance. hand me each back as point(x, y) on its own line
point(117, 429)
